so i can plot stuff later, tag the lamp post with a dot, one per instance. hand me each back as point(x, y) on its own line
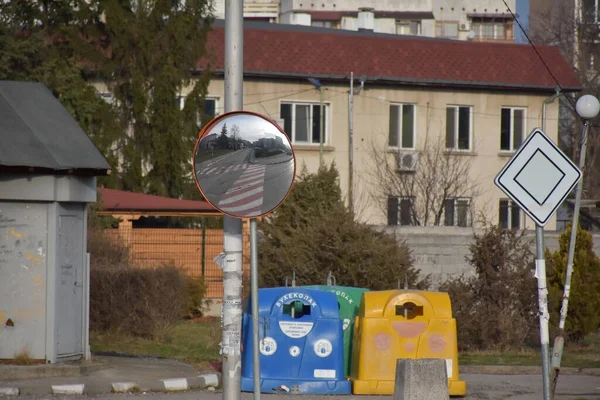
point(588, 108)
point(319, 87)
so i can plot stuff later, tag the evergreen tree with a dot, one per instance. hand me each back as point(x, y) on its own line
point(313, 233)
point(584, 298)
point(145, 50)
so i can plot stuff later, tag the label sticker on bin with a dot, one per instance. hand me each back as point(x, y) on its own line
point(295, 329)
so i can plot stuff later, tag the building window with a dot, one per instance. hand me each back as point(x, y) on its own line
point(456, 212)
point(458, 128)
point(590, 11)
point(106, 96)
point(406, 27)
point(512, 128)
point(302, 121)
point(509, 214)
point(446, 29)
point(209, 109)
point(491, 29)
point(324, 24)
point(402, 126)
point(400, 211)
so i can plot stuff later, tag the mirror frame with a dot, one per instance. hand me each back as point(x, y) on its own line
point(206, 130)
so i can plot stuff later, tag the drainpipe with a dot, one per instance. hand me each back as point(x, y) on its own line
point(548, 101)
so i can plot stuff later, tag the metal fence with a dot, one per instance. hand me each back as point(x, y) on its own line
point(191, 250)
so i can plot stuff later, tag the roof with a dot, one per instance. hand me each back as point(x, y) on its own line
point(292, 51)
point(37, 132)
point(337, 15)
point(128, 202)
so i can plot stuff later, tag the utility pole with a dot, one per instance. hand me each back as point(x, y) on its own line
point(232, 227)
point(321, 133)
point(351, 144)
point(587, 107)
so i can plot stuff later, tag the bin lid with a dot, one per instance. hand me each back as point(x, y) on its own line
point(390, 303)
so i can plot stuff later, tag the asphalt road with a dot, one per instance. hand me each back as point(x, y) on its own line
point(479, 387)
point(240, 184)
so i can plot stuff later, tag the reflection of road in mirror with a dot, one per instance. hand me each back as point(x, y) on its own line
point(245, 166)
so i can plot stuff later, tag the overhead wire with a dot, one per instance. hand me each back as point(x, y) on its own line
point(538, 54)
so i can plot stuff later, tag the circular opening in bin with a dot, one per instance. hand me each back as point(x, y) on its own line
point(296, 309)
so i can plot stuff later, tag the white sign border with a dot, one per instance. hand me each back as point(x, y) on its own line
point(536, 132)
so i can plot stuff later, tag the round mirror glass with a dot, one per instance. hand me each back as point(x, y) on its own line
point(244, 164)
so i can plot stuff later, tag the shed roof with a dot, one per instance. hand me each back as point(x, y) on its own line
point(116, 201)
point(37, 132)
point(292, 51)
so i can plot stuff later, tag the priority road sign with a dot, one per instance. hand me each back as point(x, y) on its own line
point(538, 177)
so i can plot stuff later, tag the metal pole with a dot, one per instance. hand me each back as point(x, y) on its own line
point(203, 246)
point(254, 297)
point(321, 127)
point(540, 274)
point(232, 227)
point(559, 341)
point(351, 144)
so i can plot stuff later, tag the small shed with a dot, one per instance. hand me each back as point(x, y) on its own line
point(48, 170)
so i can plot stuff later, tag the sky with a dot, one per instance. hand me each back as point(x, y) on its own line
point(523, 17)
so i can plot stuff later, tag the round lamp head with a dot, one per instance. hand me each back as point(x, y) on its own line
point(587, 106)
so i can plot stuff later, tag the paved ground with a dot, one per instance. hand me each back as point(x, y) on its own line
point(480, 387)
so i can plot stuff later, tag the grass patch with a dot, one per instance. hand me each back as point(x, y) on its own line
point(586, 355)
point(194, 342)
point(207, 155)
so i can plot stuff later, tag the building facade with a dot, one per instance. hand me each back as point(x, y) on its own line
point(478, 20)
point(436, 112)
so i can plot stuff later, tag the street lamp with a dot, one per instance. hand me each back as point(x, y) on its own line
point(587, 107)
point(317, 84)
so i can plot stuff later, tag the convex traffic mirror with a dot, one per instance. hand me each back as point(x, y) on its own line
point(244, 164)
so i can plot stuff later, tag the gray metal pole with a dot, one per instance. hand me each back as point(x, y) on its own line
point(540, 274)
point(351, 144)
point(321, 133)
point(559, 341)
point(232, 227)
point(254, 297)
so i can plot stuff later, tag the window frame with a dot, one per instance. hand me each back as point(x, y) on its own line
point(512, 109)
point(407, 22)
point(455, 147)
point(455, 217)
point(399, 134)
point(398, 219)
point(442, 29)
point(510, 207)
point(327, 106)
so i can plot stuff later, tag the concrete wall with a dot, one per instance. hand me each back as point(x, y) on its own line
point(441, 251)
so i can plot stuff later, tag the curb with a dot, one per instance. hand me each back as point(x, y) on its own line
point(204, 381)
point(522, 370)
point(18, 372)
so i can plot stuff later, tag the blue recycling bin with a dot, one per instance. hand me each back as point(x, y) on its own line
point(301, 343)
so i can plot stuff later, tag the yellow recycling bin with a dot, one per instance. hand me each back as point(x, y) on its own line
point(397, 324)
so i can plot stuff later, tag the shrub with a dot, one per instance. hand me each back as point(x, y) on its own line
point(142, 302)
point(584, 298)
point(496, 309)
point(313, 233)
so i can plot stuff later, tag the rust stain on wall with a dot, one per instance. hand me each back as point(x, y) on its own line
point(37, 280)
point(15, 233)
point(2, 317)
point(33, 258)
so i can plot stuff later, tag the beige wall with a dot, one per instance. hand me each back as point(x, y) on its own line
point(371, 121)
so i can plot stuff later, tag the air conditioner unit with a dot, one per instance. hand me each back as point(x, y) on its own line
point(407, 161)
point(464, 26)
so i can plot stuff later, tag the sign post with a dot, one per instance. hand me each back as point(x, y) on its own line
point(244, 166)
point(538, 177)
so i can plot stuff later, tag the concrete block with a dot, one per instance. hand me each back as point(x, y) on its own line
point(174, 385)
point(124, 387)
point(68, 389)
point(211, 380)
point(9, 391)
point(423, 379)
